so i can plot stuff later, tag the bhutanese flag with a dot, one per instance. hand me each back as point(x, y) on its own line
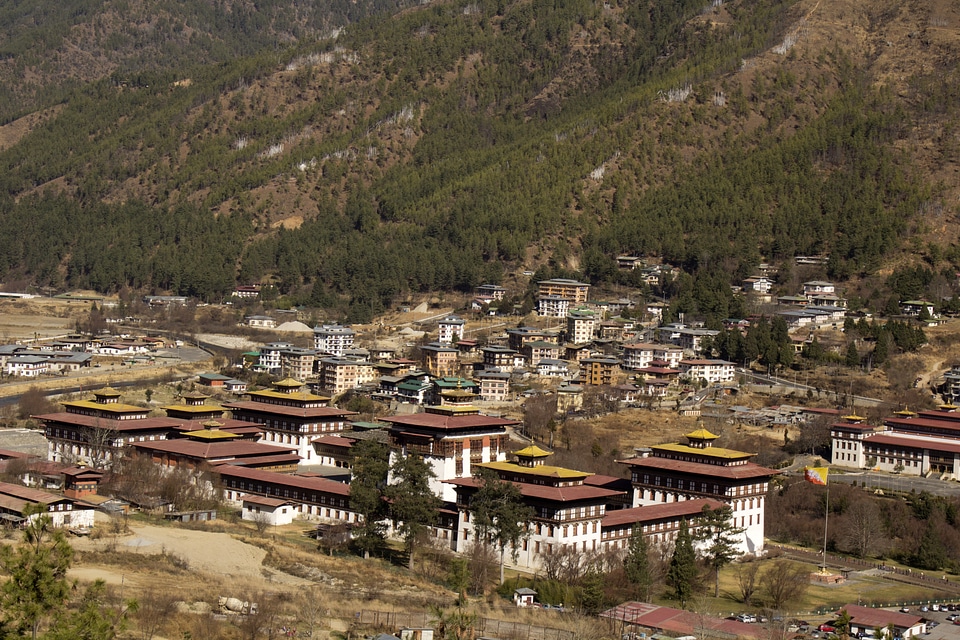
point(816, 475)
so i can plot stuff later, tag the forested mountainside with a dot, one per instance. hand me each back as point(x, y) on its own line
point(48, 49)
point(455, 141)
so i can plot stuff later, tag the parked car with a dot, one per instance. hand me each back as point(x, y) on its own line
point(924, 608)
point(749, 618)
point(826, 627)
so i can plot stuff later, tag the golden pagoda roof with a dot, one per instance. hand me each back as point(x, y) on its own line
point(541, 470)
point(854, 418)
point(709, 452)
point(533, 451)
point(701, 434)
point(288, 383)
point(107, 391)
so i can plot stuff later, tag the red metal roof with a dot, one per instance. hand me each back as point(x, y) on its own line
point(120, 426)
point(553, 494)
point(451, 422)
point(322, 485)
point(929, 442)
point(285, 410)
point(213, 450)
point(678, 621)
point(876, 618)
point(732, 472)
point(334, 441)
point(654, 512)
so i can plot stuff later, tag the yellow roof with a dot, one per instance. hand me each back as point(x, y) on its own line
point(541, 470)
point(194, 395)
point(711, 452)
point(533, 451)
point(107, 391)
point(701, 434)
point(854, 418)
point(113, 407)
point(299, 395)
point(211, 434)
point(288, 383)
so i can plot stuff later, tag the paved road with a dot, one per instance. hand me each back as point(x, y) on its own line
point(899, 483)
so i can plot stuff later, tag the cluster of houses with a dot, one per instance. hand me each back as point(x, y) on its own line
point(71, 353)
point(582, 349)
point(285, 453)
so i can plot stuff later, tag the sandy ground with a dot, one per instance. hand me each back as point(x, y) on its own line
point(212, 553)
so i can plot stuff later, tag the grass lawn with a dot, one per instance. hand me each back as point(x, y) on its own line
point(865, 589)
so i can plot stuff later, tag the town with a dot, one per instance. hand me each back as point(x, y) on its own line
point(281, 430)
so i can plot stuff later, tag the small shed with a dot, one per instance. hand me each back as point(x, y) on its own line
point(274, 511)
point(524, 597)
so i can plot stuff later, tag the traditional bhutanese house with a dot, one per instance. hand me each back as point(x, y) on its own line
point(93, 432)
point(194, 407)
point(676, 472)
point(243, 430)
point(212, 379)
point(566, 511)
point(863, 621)
point(289, 416)
point(314, 498)
point(451, 439)
point(63, 511)
point(212, 446)
point(81, 482)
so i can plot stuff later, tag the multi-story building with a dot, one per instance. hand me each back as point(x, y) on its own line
point(298, 363)
point(581, 326)
point(440, 360)
point(271, 357)
point(94, 432)
point(494, 385)
point(339, 375)
point(451, 439)
point(639, 355)
point(289, 416)
point(567, 512)
point(333, 339)
point(698, 470)
point(818, 286)
point(713, 371)
point(599, 371)
point(575, 292)
point(520, 336)
point(553, 306)
point(490, 292)
point(450, 329)
point(539, 350)
point(314, 498)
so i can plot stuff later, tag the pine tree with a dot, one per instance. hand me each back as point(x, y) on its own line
point(412, 503)
point(368, 480)
point(852, 358)
point(37, 586)
point(500, 515)
point(683, 573)
point(636, 564)
point(716, 528)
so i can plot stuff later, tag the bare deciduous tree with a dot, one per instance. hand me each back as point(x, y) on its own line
point(747, 580)
point(784, 582)
point(864, 528)
point(156, 607)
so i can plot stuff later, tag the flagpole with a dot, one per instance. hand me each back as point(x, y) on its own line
point(826, 514)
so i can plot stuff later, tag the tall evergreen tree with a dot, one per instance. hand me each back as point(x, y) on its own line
point(368, 481)
point(636, 564)
point(500, 515)
point(715, 527)
point(683, 573)
point(412, 504)
point(37, 587)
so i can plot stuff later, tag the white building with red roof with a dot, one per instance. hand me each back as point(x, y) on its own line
point(288, 415)
point(452, 439)
point(698, 470)
point(863, 620)
point(909, 443)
